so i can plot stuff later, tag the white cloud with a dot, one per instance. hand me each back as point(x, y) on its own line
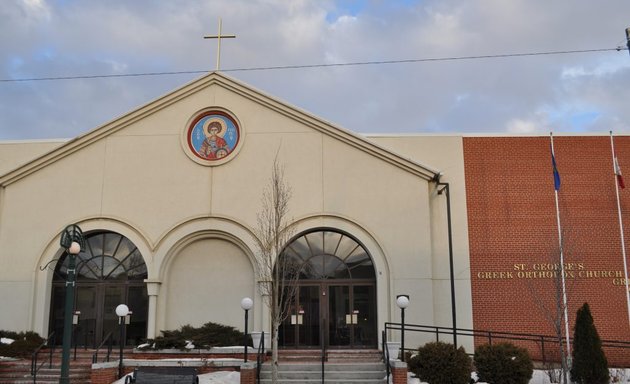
point(36, 10)
point(606, 68)
point(493, 95)
point(519, 126)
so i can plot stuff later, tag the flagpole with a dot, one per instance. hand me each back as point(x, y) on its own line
point(564, 290)
point(623, 243)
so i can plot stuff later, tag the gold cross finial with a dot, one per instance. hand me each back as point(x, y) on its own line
point(219, 36)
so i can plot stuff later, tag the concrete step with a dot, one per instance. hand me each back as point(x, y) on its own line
point(326, 381)
point(334, 373)
point(332, 355)
point(19, 372)
point(284, 366)
point(342, 355)
point(331, 375)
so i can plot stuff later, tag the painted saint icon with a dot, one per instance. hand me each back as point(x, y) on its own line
point(213, 135)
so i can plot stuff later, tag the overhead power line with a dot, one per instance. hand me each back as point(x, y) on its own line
point(283, 67)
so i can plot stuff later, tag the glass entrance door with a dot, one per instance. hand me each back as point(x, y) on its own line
point(340, 325)
point(88, 306)
point(352, 314)
point(307, 317)
point(344, 315)
point(301, 328)
point(97, 304)
point(364, 329)
point(113, 296)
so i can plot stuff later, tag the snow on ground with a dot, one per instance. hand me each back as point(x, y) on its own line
point(541, 377)
point(210, 378)
point(220, 378)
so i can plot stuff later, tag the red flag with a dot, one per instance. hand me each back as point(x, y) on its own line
point(618, 174)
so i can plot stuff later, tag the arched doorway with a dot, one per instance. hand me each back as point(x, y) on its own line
point(336, 296)
point(109, 271)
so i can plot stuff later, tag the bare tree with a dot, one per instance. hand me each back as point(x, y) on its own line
point(553, 308)
point(277, 275)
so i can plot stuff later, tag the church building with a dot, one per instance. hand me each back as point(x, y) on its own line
point(168, 197)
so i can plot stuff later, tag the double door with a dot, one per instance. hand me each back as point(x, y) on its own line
point(339, 315)
point(97, 304)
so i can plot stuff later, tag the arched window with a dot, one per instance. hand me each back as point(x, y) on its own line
point(107, 255)
point(329, 255)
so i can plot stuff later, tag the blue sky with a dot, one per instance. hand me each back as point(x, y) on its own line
point(585, 92)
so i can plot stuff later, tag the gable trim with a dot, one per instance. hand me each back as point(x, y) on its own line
point(109, 128)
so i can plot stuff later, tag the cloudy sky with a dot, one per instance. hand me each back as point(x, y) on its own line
point(578, 92)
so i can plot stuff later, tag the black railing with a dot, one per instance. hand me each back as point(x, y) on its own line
point(109, 340)
point(491, 336)
point(34, 366)
point(260, 356)
point(324, 351)
point(386, 354)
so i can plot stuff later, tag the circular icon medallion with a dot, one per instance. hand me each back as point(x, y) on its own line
point(212, 136)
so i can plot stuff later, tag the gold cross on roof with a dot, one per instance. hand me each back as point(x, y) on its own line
point(219, 36)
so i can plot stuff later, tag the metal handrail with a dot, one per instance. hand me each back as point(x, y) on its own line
point(110, 343)
point(260, 355)
point(323, 341)
point(493, 335)
point(34, 366)
point(386, 354)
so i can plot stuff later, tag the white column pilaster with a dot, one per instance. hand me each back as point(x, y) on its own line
point(153, 290)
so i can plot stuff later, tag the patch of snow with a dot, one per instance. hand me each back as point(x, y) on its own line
point(539, 377)
point(229, 347)
point(6, 340)
point(220, 378)
point(143, 345)
point(209, 378)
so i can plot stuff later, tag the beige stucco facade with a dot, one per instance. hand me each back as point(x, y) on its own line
point(194, 224)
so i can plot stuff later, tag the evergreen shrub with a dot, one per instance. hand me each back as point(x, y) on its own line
point(207, 336)
point(24, 345)
point(590, 365)
point(441, 363)
point(503, 363)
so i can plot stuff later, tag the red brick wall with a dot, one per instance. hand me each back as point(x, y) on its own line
point(105, 375)
point(399, 372)
point(248, 375)
point(513, 232)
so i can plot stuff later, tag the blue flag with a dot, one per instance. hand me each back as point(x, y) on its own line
point(556, 175)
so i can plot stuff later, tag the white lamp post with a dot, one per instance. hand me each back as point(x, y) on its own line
point(402, 301)
point(246, 304)
point(121, 311)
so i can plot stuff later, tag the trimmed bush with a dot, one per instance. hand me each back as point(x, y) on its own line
point(503, 363)
point(441, 363)
point(24, 345)
point(207, 336)
point(590, 365)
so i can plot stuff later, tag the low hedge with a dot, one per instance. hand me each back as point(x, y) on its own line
point(24, 344)
point(207, 336)
point(441, 363)
point(503, 363)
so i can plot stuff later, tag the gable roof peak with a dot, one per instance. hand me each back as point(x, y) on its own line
point(247, 91)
